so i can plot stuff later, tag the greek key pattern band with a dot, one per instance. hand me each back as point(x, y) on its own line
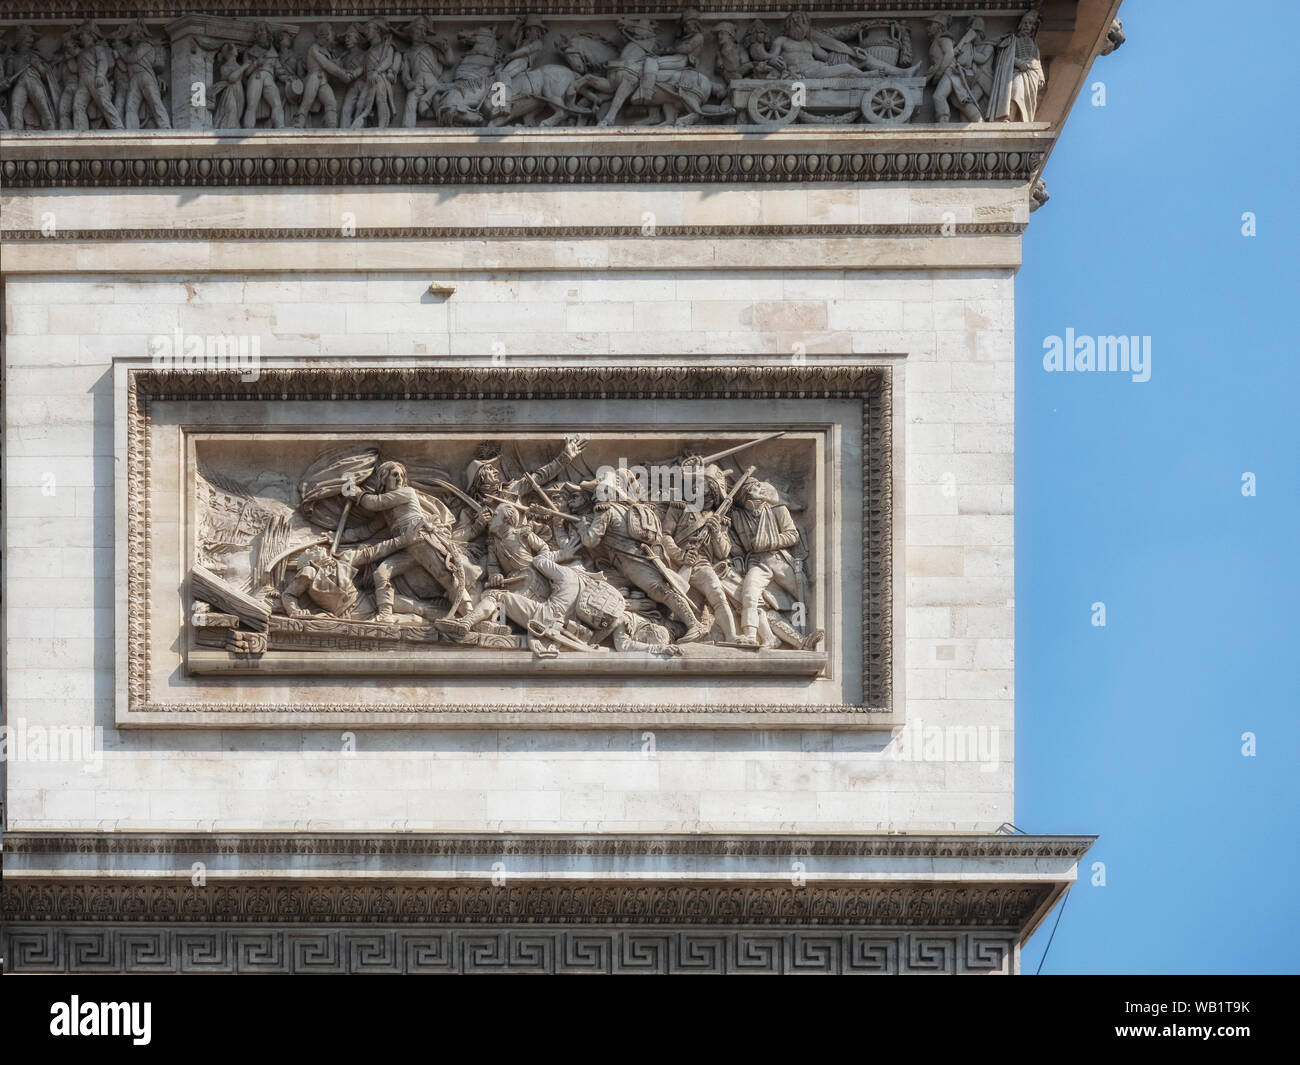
point(153, 949)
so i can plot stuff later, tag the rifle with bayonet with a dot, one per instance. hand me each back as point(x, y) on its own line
point(695, 541)
point(536, 506)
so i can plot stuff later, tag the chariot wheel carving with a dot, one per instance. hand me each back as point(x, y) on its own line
point(887, 104)
point(772, 105)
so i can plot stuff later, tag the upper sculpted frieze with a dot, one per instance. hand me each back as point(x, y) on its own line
point(205, 72)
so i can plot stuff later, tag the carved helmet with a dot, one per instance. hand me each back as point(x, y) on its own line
point(474, 471)
point(519, 31)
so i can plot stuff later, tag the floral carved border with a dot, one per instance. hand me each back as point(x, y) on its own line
point(431, 902)
point(872, 385)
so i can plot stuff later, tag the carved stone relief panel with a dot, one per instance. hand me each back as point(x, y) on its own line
point(584, 552)
point(450, 543)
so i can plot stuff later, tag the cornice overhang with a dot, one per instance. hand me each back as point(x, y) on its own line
point(561, 854)
point(969, 881)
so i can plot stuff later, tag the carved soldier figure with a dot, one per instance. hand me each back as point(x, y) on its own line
point(631, 531)
point(690, 39)
point(329, 585)
point(353, 62)
point(580, 610)
point(66, 67)
point(733, 62)
point(642, 75)
point(117, 73)
point(766, 532)
point(321, 66)
point(773, 629)
point(975, 56)
point(512, 546)
point(527, 37)
point(27, 73)
point(684, 52)
point(4, 80)
point(144, 62)
point(947, 74)
point(702, 536)
point(264, 63)
point(483, 476)
point(93, 64)
point(416, 542)
point(379, 70)
point(472, 79)
point(289, 67)
point(423, 66)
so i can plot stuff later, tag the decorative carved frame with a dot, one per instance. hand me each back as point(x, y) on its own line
point(871, 384)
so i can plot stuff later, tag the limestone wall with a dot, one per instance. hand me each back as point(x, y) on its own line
point(930, 292)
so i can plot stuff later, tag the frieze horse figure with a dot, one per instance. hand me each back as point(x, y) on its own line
point(471, 81)
point(665, 81)
point(590, 55)
point(529, 93)
point(487, 88)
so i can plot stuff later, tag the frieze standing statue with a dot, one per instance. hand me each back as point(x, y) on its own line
point(321, 66)
point(228, 87)
point(423, 66)
point(261, 85)
point(976, 56)
point(378, 74)
point(144, 62)
point(27, 73)
point(93, 64)
point(1019, 80)
point(948, 75)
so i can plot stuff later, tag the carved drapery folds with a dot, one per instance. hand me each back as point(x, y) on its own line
point(239, 74)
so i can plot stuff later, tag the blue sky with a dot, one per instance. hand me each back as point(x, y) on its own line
point(1130, 494)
